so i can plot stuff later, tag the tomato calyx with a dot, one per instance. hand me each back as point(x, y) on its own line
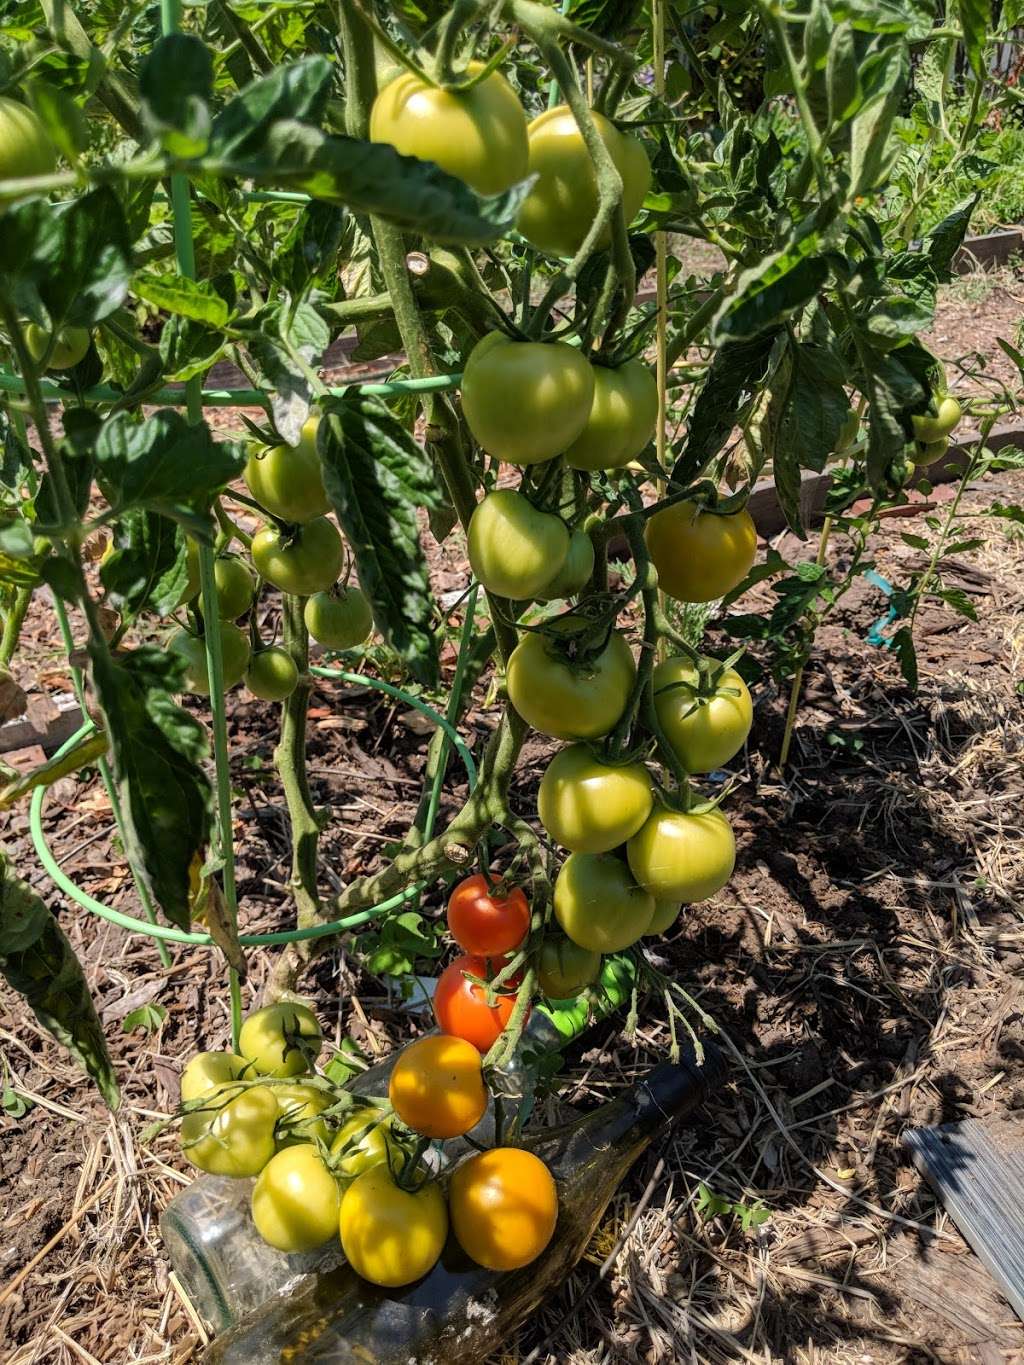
point(708, 683)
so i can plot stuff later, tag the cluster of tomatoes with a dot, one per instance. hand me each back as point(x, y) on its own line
point(300, 551)
point(326, 1169)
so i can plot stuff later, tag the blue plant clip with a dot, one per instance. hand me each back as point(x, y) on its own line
point(874, 635)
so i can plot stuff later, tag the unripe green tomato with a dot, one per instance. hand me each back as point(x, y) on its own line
point(622, 418)
point(570, 701)
point(303, 564)
point(704, 732)
point(296, 1201)
point(340, 618)
point(235, 588)
point(360, 1143)
point(281, 1040)
point(665, 915)
point(513, 548)
point(478, 135)
point(526, 401)
point(235, 651)
point(599, 905)
point(700, 555)
point(71, 346)
point(679, 856)
point(302, 1106)
point(574, 575)
point(272, 674)
point(927, 452)
point(233, 1134)
point(562, 205)
point(288, 480)
point(849, 431)
point(192, 568)
point(932, 428)
point(25, 146)
point(592, 807)
point(209, 1070)
point(564, 968)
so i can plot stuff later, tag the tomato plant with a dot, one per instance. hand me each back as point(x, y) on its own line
point(682, 856)
point(286, 480)
point(599, 905)
point(272, 674)
point(280, 1040)
point(581, 698)
point(232, 1130)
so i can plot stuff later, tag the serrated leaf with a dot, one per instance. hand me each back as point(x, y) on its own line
point(188, 348)
point(768, 293)
point(163, 461)
point(373, 178)
point(297, 91)
point(195, 299)
point(871, 149)
point(39, 963)
point(176, 83)
point(976, 22)
point(148, 566)
point(376, 476)
point(156, 750)
point(947, 237)
point(736, 373)
point(288, 384)
point(308, 254)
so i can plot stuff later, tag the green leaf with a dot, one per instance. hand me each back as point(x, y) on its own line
point(844, 92)
point(897, 318)
point(15, 1105)
point(872, 152)
point(147, 1017)
point(148, 566)
point(902, 645)
point(308, 254)
point(163, 461)
point(817, 36)
point(610, 19)
point(156, 749)
point(947, 237)
point(976, 22)
point(195, 299)
point(376, 476)
point(188, 348)
point(736, 374)
point(373, 178)
point(1009, 511)
point(61, 117)
point(772, 564)
point(298, 91)
point(779, 285)
point(176, 83)
point(957, 599)
point(915, 542)
point(39, 963)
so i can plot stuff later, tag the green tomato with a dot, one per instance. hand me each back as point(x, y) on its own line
point(478, 135)
point(392, 1236)
point(599, 905)
point(592, 807)
point(685, 857)
point(927, 452)
point(235, 588)
point(562, 205)
point(574, 575)
point(296, 1201)
point(665, 915)
point(235, 651)
point(513, 548)
point(360, 1143)
point(191, 587)
point(288, 480)
point(209, 1070)
point(281, 1040)
point(233, 1134)
point(564, 968)
point(526, 401)
point(305, 563)
point(569, 701)
point(700, 556)
point(622, 418)
point(302, 1106)
point(272, 674)
point(25, 146)
point(849, 431)
point(929, 427)
point(340, 618)
point(704, 732)
point(71, 346)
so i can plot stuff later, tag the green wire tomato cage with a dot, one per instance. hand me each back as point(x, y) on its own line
point(194, 397)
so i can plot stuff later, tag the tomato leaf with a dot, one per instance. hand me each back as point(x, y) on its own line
point(39, 963)
point(156, 749)
point(162, 461)
point(194, 299)
point(737, 370)
point(148, 566)
point(176, 82)
point(872, 152)
point(308, 254)
point(297, 91)
point(976, 22)
point(777, 286)
point(376, 476)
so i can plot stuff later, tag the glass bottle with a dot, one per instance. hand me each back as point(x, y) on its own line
point(224, 1265)
point(460, 1311)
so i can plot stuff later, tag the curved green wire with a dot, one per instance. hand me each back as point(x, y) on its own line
point(168, 932)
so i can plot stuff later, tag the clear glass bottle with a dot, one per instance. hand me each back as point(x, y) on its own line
point(461, 1312)
point(224, 1265)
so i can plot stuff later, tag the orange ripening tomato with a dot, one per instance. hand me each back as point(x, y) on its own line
point(503, 1206)
point(485, 924)
point(437, 1087)
point(461, 1006)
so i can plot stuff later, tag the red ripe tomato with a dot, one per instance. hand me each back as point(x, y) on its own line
point(461, 1006)
point(487, 925)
